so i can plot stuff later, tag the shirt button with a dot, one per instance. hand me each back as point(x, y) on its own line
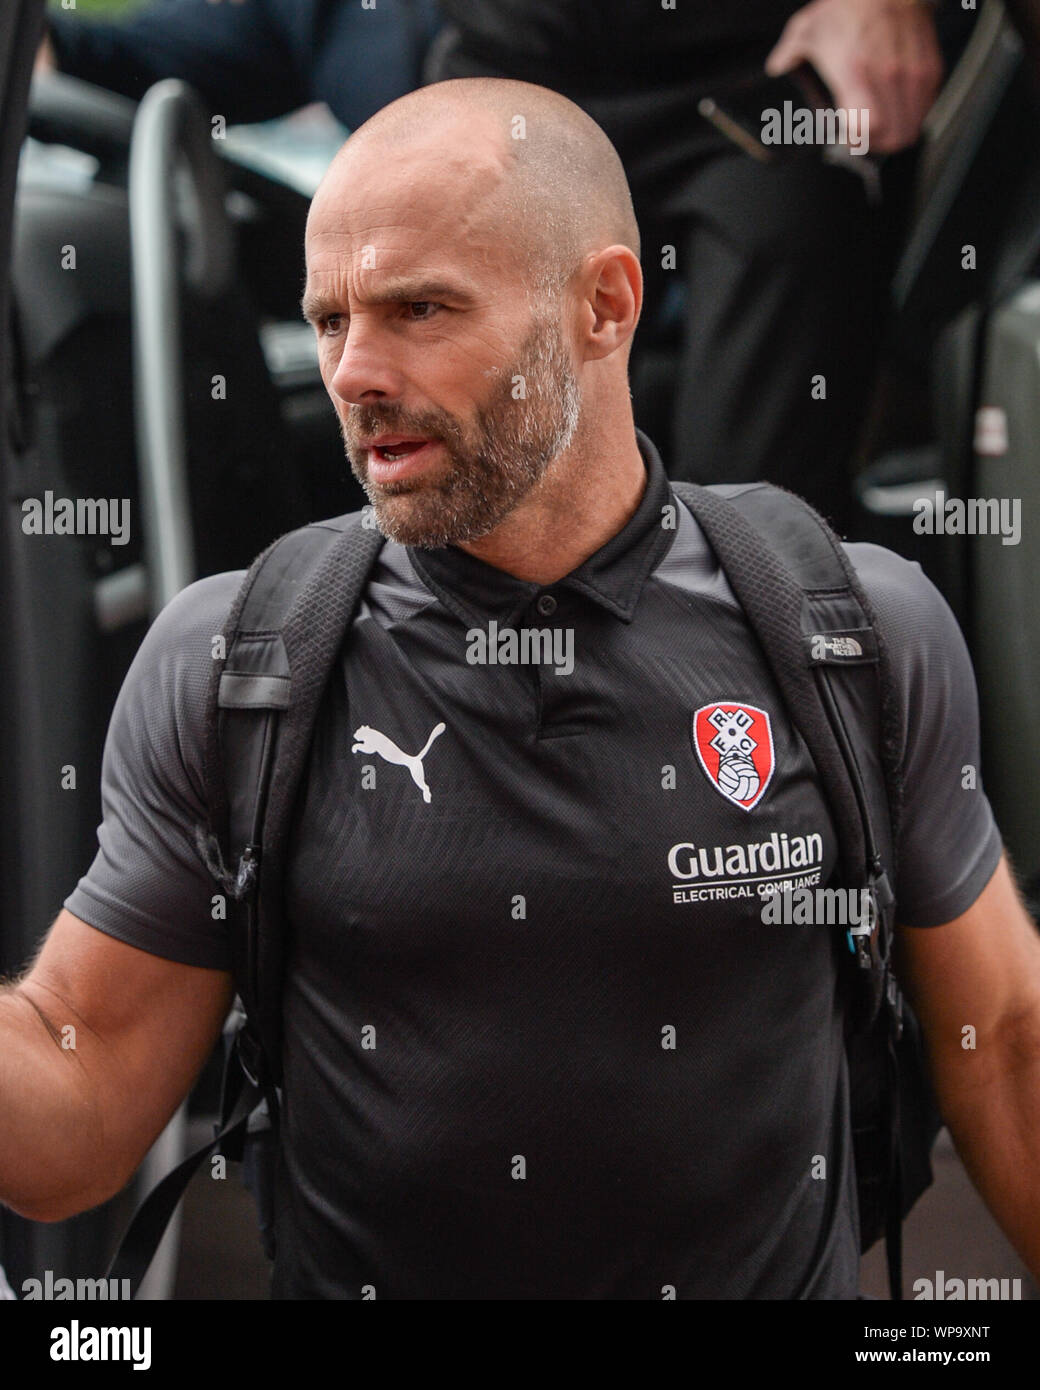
point(546, 605)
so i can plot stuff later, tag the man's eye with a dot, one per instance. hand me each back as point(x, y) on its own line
point(422, 308)
point(332, 323)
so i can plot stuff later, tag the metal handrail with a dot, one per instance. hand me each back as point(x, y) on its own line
point(171, 135)
point(175, 194)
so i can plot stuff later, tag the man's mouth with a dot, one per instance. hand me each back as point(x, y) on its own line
point(394, 457)
point(392, 449)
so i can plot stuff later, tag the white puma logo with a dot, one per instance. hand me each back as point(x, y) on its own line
point(372, 741)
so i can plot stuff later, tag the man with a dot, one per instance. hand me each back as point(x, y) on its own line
point(515, 1065)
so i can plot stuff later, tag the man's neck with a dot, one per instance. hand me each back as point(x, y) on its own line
point(587, 496)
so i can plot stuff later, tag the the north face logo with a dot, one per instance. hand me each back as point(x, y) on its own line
point(735, 746)
point(836, 646)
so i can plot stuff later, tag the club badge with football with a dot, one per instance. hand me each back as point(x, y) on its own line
point(734, 744)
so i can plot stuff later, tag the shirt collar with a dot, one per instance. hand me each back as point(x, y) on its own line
point(613, 577)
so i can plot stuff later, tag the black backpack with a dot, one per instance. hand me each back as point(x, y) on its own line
point(821, 641)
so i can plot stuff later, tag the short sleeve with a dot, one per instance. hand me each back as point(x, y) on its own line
point(147, 885)
point(949, 844)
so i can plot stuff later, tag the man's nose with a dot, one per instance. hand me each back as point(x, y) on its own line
point(366, 370)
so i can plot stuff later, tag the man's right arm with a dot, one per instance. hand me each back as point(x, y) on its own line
point(102, 1039)
point(99, 1044)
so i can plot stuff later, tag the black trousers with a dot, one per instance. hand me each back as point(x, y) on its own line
point(785, 273)
point(785, 270)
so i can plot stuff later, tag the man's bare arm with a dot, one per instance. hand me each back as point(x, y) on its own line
point(975, 983)
point(99, 1044)
point(46, 59)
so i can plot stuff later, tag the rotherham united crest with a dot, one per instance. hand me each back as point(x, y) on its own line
point(735, 746)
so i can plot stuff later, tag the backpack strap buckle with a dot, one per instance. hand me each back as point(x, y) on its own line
point(250, 1056)
point(238, 885)
point(894, 1000)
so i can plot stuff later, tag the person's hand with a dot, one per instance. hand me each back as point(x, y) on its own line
point(45, 57)
point(878, 55)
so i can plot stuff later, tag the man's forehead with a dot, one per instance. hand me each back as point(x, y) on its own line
point(433, 175)
point(377, 256)
point(396, 224)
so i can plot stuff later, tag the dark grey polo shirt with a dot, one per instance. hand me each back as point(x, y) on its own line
point(539, 1042)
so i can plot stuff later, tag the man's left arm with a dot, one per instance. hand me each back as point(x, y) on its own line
point(966, 952)
point(975, 985)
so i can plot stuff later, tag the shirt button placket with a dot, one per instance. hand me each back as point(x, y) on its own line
point(545, 606)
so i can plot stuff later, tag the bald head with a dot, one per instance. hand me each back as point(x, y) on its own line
point(474, 284)
point(522, 158)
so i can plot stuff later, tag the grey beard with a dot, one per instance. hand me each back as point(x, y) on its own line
point(494, 465)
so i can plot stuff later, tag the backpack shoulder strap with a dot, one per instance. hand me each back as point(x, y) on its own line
point(278, 646)
point(820, 637)
point(822, 641)
point(280, 641)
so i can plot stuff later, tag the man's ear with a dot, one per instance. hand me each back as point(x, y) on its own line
point(610, 289)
